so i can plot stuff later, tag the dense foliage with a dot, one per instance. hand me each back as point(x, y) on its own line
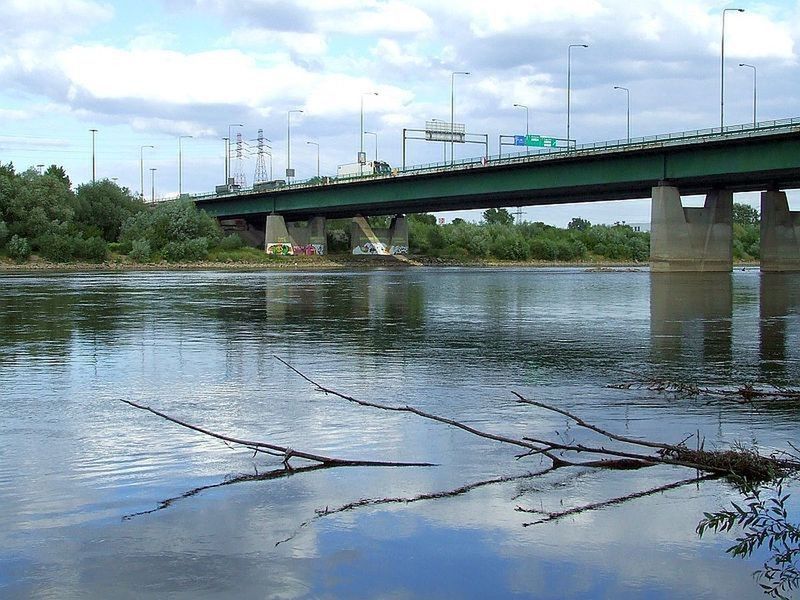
point(41, 214)
point(499, 238)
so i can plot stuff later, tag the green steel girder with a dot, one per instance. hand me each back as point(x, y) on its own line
point(759, 163)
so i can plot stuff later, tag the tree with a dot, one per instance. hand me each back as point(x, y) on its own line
point(105, 206)
point(579, 224)
point(746, 215)
point(498, 216)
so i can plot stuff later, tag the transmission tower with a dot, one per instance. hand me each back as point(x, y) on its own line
point(261, 166)
point(239, 177)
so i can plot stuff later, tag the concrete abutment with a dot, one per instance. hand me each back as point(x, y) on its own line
point(297, 237)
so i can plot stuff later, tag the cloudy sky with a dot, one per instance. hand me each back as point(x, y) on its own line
point(143, 73)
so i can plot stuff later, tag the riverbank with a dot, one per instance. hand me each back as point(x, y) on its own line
point(310, 263)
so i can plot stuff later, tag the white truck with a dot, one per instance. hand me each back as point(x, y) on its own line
point(352, 170)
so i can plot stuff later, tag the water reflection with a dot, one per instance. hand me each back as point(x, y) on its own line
point(200, 346)
point(779, 299)
point(691, 317)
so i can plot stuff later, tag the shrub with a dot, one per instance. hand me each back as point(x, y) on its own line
point(189, 250)
point(19, 248)
point(94, 249)
point(231, 242)
point(3, 233)
point(140, 251)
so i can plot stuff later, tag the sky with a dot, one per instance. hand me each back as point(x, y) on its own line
point(145, 73)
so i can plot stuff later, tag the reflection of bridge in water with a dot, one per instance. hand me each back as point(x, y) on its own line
point(692, 314)
point(713, 162)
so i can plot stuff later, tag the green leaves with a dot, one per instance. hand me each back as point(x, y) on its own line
point(765, 523)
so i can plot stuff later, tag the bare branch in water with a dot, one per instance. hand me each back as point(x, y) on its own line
point(554, 516)
point(324, 512)
point(282, 451)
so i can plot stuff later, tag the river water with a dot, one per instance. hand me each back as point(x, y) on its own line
point(76, 463)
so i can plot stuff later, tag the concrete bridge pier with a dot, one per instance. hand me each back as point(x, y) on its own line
point(365, 239)
point(780, 234)
point(296, 238)
point(691, 239)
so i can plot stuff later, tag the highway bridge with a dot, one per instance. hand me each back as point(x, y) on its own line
point(716, 162)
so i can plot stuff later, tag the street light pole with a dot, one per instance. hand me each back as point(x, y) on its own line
point(755, 89)
point(94, 131)
point(180, 164)
point(376, 142)
point(569, 81)
point(317, 145)
point(722, 70)
point(289, 142)
point(361, 130)
point(141, 171)
point(527, 127)
point(628, 95)
point(452, 108)
point(153, 185)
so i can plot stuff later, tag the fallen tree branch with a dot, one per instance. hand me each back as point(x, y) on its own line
point(324, 512)
point(283, 451)
point(737, 463)
point(554, 516)
point(745, 393)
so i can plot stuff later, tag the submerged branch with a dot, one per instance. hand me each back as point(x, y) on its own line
point(554, 516)
point(324, 512)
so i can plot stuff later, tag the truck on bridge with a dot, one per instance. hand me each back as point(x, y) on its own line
point(373, 167)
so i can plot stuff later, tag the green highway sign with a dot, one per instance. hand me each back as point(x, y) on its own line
point(540, 141)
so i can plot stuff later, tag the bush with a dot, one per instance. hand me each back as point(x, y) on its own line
point(19, 248)
point(231, 242)
point(187, 251)
point(94, 249)
point(140, 251)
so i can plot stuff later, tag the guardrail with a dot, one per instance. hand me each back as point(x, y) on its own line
point(695, 136)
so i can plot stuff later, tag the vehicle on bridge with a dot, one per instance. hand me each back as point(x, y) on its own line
point(270, 185)
point(373, 167)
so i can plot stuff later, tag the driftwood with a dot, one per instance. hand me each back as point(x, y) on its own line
point(283, 452)
point(745, 393)
point(628, 453)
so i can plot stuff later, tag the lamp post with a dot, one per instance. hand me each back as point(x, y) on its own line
point(94, 131)
point(180, 164)
point(755, 89)
point(376, 142)
point(153, 185)
point(289, 143)
point(628, 96)
point(317, 145)
point(452, 107)
point(141, 171)
point(361, 130)
point(722, 69)
point(569, 81)
point(527, 127)
point(228, 151)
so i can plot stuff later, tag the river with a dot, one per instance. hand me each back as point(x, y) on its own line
point(77, 465)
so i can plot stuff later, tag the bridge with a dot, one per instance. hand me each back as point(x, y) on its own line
point(715, 162)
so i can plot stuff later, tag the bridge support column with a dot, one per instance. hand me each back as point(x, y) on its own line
point(297, 238)
point(780, 234)
point(277, 240)
point(365, 239)
point(691, 239)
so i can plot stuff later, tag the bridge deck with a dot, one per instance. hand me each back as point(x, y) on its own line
point(739, 158)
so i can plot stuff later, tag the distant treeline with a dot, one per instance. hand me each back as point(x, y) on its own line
point(41, 214)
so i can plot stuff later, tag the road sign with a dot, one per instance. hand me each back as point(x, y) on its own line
point(540, 141)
